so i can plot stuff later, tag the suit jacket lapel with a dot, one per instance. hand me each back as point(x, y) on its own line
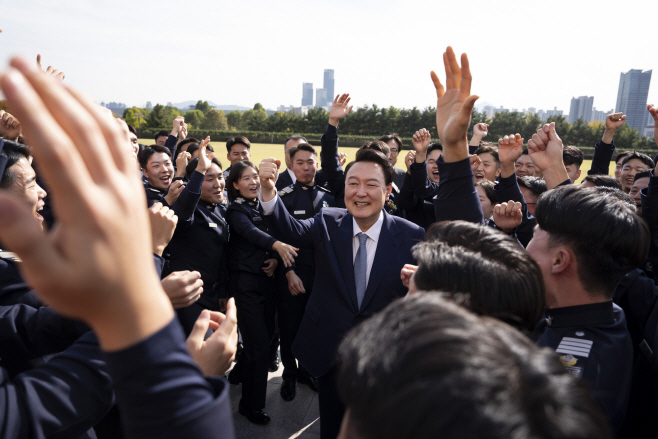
point(342, 244)
point(387, 247)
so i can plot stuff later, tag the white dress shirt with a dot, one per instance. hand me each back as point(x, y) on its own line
point(292, 175)
point(371, 243)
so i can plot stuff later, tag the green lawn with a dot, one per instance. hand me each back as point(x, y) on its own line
point(259, 151)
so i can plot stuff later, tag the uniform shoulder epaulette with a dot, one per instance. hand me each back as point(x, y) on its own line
point(239, 200)
point(153, 190)
point(287, 190)
point(324, 189)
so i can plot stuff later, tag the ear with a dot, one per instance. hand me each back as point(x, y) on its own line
point(562, 260)
point(228, 157)
point(498, 172)
point(578, 174)
point(389, 189)
point(236, 187)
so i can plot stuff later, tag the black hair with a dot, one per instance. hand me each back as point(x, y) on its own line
point(489, 191)
point(13, 152)
point(489, 149)
point(393, 136)
point(374, 156)
point(623, 154)
point(605, 234)
point(147, 152)
point(234, 176)
point(237, 140)
point(426, 368)
point(132, 129)
point(160, 134)
point(498, 276)
point(572, 156)
point(434, 146)
point(182, 143)
point(195, 146)
point(643, 174)
point(294, 137)
point(535, 184)
point(191, 166)
point(302, 147)
point(377, 145)
point(604, 180)
point(638, 156)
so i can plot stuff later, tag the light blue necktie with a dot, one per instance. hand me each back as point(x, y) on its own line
point(361, 268)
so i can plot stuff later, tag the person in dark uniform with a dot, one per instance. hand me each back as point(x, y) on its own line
point(303, 200)
point(251, 269)
point(158, 170)
point(394, 143)
point(201, 238)
point(238, 148)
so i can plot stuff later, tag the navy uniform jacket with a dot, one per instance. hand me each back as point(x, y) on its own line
point(304, 202)
point(602, 158)
point(332, 309)
point(284, 180)
point(419, 211)
point(154, 195)
point(592, 342)
point(456, 197)
point(200, 242)
point(13, 289)
point(250, 244)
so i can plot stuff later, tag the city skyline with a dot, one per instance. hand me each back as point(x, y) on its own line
point(632, 96)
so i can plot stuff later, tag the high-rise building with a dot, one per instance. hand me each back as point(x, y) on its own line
point(320, 97)
point(632, 97)
point(553, 112)
point(599, 116)
point(307, 94)
point(328, 86)
point(581, 108)
point(149, 105)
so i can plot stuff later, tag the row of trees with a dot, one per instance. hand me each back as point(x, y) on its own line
point(375, 121)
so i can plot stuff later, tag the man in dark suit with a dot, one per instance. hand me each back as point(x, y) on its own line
point(359, 252)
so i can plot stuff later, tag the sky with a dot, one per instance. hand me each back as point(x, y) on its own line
point(522, 53)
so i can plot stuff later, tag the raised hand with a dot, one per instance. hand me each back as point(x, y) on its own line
point(421, 141)
point(183, 288)
point(409, 159)
point(545, 150)
point(509, 149)
point(342, 158)
point(174, 191)
point(182, 160)
point(268, 172)
point(96, 264)
point(215, 354)
point(480, 130)
point(654, 113)
point(475, 162)
point(508, 216)
point(177, 125)
point(182, 134)
point(613, 122)
point(10, 127)
point(205, 158)
point(50, 70)
point(339, 109)
point(454, 106)
point(405, 274)
point(163, 224)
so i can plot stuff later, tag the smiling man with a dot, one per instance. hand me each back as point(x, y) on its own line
point(633, 164)
point(359, 252)
point(157, 168)
point(489, 167)
point(19, 177)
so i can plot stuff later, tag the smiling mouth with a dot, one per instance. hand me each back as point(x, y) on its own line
point(361, 203)
point(37, 215)
point(479, 176)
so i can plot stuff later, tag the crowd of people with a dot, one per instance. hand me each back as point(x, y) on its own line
point(478, 293)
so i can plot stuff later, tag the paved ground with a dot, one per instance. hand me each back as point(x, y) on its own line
point(298, 418)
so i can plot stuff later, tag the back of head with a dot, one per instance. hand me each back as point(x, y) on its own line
point(377, 145)
point(603, 230)
point(497, 276)
point(604, 181)
point(237, 140)
point(374, 156)
point(427, 368)
point(535, 184)
point(572, 156)
point(11, 153)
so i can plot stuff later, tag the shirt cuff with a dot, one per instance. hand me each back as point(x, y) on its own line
point(268, 206)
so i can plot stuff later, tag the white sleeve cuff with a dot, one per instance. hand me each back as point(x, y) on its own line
point(268, 206)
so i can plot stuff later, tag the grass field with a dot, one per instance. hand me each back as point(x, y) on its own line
point(259, 151)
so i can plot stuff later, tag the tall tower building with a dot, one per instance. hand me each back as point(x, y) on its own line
point(632, 97)
point(320, 97)
point(581, 108)
point(329, 85)
point(307, 94)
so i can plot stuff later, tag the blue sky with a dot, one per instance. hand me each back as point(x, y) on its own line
point(523, 53)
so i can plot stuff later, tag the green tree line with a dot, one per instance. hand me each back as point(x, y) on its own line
point(375, 121)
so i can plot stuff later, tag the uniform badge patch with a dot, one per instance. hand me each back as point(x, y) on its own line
point(575, 346)
point(568, 360)
point(239, 200)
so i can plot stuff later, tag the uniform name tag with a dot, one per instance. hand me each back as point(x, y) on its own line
point(213, 225)
point(300, 212)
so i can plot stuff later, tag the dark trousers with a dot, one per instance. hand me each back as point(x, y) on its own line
point(255, 296)
point(291, 311)
point(332, 408)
